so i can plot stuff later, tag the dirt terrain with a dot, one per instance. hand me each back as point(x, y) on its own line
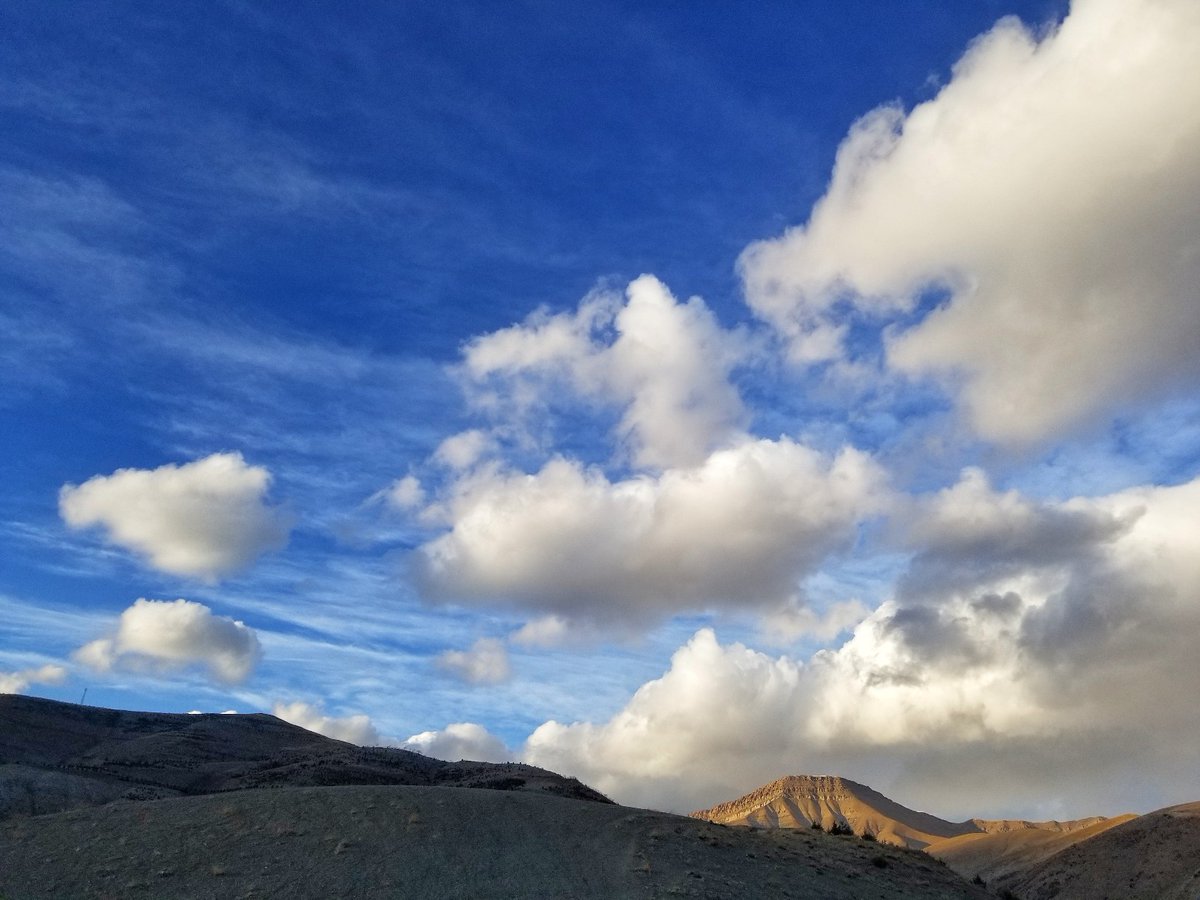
point(999, 857)
point(1151, 857)
point(415, 841)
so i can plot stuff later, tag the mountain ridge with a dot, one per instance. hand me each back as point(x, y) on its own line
point(56, 756)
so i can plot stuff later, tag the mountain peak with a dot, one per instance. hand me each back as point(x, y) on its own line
point(798, 801)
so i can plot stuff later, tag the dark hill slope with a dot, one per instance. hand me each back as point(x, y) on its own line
point(56, 756)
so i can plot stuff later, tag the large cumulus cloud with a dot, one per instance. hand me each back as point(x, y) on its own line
point(1059, 667)
point(665, 364)
point(740, 529)
point(1052, 191)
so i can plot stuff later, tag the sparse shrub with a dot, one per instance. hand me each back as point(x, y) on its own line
point(868, 836)
point(978, 879)
point(841, 828)
point(816, 826)
point(879, 862)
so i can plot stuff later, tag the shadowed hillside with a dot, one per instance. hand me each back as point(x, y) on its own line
point(56, 756)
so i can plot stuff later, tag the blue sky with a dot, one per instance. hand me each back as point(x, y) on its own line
point(675, 397)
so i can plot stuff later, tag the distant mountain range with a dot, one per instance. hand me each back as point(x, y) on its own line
point(1152, 856)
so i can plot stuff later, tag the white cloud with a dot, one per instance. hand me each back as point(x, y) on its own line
point(461, 740)
point(404, 493)
point(546, 631)
point(1053, 188)
point(1054, 670)
point(18, 682)
point(165, 635)
point(355, 729)
point(741, 529)
point(720, 716)
point(206, 519)
point(486, 662)
point(463, 450)
point(665, 364)
point(792, 621)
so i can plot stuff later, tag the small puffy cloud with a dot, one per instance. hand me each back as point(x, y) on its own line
point(1051, 190)
point(205, 519)
point(486, 662)
point(355, 729)
point(404, 494)
point(666, 364)
point(20, 681)
point(167, 635)
point(966, 695)
point(461, 740)
point(546, 631)
point(793, 621)
point(463, 450)
point(740, 529)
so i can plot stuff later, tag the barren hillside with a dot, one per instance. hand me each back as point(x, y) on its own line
point(400, 841)
point(1151, 857)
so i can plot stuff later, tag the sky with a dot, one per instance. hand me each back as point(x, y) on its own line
point(676, 396)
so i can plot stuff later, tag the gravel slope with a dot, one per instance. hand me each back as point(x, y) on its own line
point(445, 842)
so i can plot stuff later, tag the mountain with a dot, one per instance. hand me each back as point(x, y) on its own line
point(1150, 857)
point(798, 801)
point(58, 756)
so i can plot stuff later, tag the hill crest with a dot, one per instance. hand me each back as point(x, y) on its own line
point(56, 756)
